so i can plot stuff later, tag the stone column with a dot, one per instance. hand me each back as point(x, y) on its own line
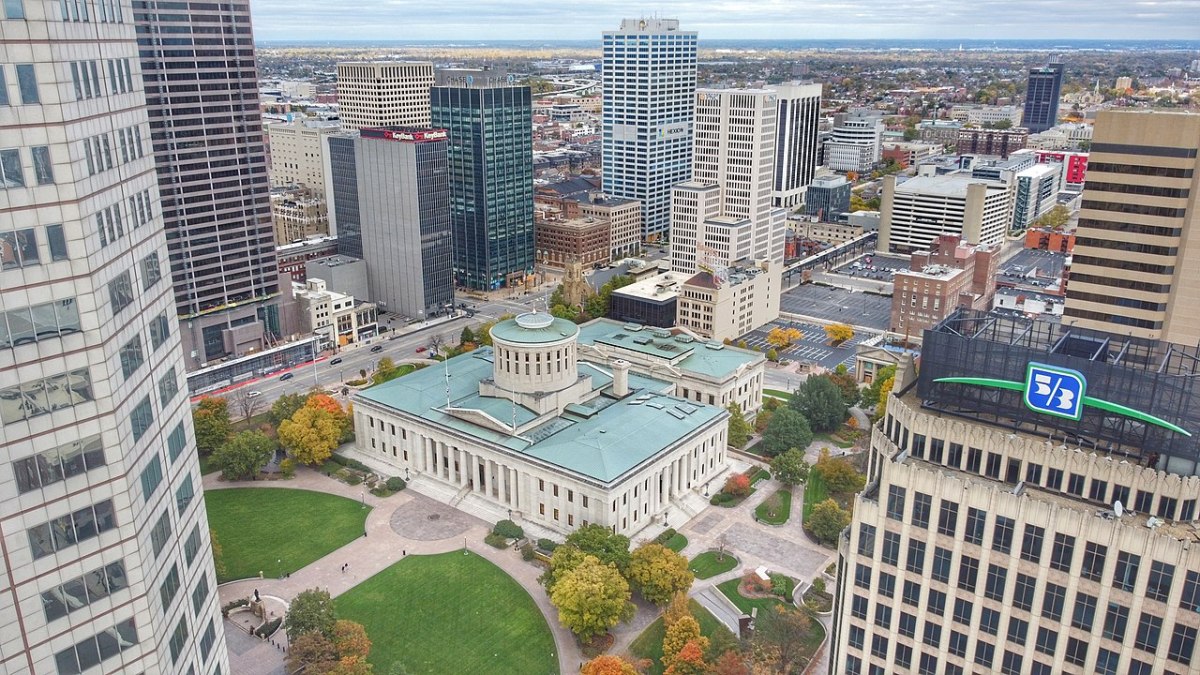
point(463, 468)
point(473, 477)
point(504, 484)
point(487, 477)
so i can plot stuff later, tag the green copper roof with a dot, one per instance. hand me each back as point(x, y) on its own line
point(700, 357)
point(534, 328)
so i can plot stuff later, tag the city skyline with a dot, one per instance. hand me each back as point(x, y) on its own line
point(275, 20)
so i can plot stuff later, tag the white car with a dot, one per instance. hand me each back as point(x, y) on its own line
point(254, 394)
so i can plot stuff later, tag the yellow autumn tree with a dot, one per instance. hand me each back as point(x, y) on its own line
point(839, 332)
point(658, 573)
point(311, 435)
point(783, 337)
point(685, 630)
point(591, 598)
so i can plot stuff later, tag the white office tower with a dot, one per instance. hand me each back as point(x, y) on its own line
point(107, 565)
point(384, 93)
point(734, 153)
point(856, 144)
point(796, 134)
point(649, 80)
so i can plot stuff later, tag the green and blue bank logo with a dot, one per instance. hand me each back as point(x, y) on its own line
point(1061, 392)
point(1055, 391)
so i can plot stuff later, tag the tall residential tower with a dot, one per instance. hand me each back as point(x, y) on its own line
point(649, 79)
point(490, 123)
point(1041, 97)
point(202, 89)
point(106, 564)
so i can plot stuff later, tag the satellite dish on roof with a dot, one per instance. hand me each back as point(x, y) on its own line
point(1118, 508)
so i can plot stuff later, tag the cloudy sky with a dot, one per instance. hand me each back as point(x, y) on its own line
point(775, 19)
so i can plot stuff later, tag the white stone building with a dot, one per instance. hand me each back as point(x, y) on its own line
point(559, 426)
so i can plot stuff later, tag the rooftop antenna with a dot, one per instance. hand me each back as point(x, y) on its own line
point(446, 370)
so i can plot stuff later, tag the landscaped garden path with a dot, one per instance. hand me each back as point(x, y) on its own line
point(380, 548)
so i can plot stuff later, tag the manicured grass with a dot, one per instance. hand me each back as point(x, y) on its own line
point(709, 564)
point(450, 613)
point(777, 393)
point(761, 474)
point(775, 509)
point(400, 371)
point(206, 465)
point(835, 440)
point(730, 589)
point(815, 492)
point(677, 543)
point(649, 645)
point(258, 526)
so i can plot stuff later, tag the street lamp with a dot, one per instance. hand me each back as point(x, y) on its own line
point(364, 499)
point(279, 567)
point(406, 478)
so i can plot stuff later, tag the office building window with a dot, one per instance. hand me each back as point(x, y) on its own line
point(27, 83)
point(66, 461)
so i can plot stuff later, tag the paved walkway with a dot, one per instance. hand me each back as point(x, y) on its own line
point(396, 525)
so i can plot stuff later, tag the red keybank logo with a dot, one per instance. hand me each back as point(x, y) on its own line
point(408, 135)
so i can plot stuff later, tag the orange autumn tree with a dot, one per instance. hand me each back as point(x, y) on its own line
point(689, 660)
point(608, 665)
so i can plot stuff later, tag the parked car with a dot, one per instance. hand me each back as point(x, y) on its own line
point(335, 361)
point(254, 394)
point(376, 349)
point(286, 376)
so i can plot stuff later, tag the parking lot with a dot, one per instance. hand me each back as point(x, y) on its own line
point(812, 348)
point(838, 304)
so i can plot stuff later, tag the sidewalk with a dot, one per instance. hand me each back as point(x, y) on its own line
point(380, 548)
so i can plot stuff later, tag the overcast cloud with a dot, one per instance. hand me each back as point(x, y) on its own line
point(773, 19)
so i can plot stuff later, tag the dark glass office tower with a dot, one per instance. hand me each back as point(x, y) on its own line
point(490, 123)
point(1041, 98)
point(201, 84)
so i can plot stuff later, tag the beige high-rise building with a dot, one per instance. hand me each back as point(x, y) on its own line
point(1136, 268)
point(384, 93)
point(299, 154)
point(916, 212)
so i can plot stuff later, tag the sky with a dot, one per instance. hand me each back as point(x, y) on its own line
point(276, 20)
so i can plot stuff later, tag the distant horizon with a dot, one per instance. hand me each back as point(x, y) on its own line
point(1083, 44)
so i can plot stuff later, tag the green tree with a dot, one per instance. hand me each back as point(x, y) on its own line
point(839, 476)
point(739, 428)
point(787, 429)
point(564, 559)
point(784, 632)
point(658, 573)
point(870, 395)
point(1057, 217)
point(679, 634)
point(244, 455)
point(772, 355)
point(285, 406)
point(820, 402)
point(600, 541)
point(790, 468)
point(826, 521)
point(311, 611)
point(841, 376)
point(385, 369)
point(211, 422)
point(311, 434)
point(467, 335)
point(911, 134)
point(592, 598)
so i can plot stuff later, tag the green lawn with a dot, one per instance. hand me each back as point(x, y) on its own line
point(676, 543)
point(648, 645)
point(838, 440)
point(400, 371)
point(206, 465)
point(258, 526)
point(775, 509)
point(450, 613)
point(709, 564)
point(815, 492)
point(730, 589)
point(777, 393)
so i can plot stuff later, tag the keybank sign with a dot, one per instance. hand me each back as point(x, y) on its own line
point(1060, 392)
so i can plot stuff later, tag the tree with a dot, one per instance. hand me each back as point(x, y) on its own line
point(820, 401)
point(826, 521)
point(1057, 217)
point(466, 336)
point(739, 428)
point(311, 434)
point(350, 640)
point(690, 659)
point(245, 403)
point(737, 485)
point(599, 541)
point(385, 369)
point(786, 631)
point(311, 651)
point(787, 429)
point(838, 332)
point(772, 355)
point(783, 337)
point(211, 423)
point(885, 388)
point(592, 598)
point(679, 607)
point(658, 573)
point(607, 664)
point(564, 559)
point(218, 553)
point(841, 376)
point(244, 455)
point(311, 611)
point(730, 663)
point(678, 635)
point(285, 406)
point(789, 467)
point(870, 395)
point(839, 476)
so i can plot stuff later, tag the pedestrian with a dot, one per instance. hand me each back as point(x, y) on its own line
point(403, 553)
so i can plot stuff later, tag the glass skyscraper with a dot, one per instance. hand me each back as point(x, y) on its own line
point(490, 126)
point(649, 81)
point(1041, 98)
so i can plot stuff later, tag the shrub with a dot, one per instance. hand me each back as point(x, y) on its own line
point(350, 463)
point(496, 541)
point(526, 551)
point(229, 607)
point(737, 485)
point(268, 629)
point(395, 484)
point(288, 467)
point(753, 583)
point(818, 585)
point(721, 498)
point(508, 529)
point(355, 383)
point(547, 545)
point(665, 536)
point(353, 479)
